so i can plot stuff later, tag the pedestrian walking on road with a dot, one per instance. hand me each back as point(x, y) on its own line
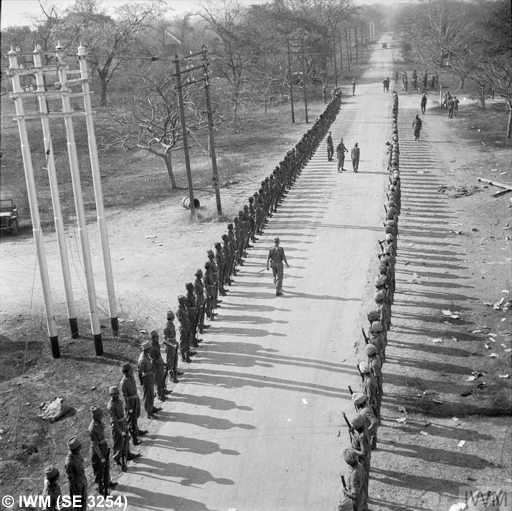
point(353, 86)
point(416, 126)
point(330, 147)
point(276, 257)
point(340, 153)
point(423, 103)
point(354, 155)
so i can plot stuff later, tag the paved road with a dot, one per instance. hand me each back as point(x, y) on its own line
point(253, 425)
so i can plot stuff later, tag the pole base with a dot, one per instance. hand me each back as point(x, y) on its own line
point(73, 325)
point(54, 342)
point(114, 323)
point(98, 344)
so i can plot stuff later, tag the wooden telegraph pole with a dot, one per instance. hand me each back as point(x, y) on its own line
point(185, 138)
point(210, 130)
point(290, 78)
point(304, 80)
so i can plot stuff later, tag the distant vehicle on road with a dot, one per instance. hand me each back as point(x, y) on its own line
point(384, 45)
point(9, 216)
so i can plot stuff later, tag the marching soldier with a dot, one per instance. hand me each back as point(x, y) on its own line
point(131, 402)
point(74, 467)
point(276, 257)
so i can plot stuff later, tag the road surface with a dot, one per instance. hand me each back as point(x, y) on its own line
point(253, 423)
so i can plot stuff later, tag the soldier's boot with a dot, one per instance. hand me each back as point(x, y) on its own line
point(124, 468)
point(175, 378)
point(187, 359)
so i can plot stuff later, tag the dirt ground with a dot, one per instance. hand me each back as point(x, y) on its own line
point(260, 407)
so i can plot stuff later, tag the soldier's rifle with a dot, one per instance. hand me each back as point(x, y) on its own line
point(381, 243)
point(360, 373)
point(349, 426)
point(366, 339)
point(343, 483)
point(350, 390)
point(385, 209)
point(106, 473)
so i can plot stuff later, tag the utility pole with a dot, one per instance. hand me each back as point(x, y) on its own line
point(341, 55)
point(67, 112)
point(304, 81)
point(17, 95)
point(349, 50)
point(290, 78)
point(334, 59)
point(54, 192)
point(356, 45)
point(98, 193)
point(185, 138)
point(210, 130)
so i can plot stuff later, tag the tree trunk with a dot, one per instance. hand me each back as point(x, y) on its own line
point(103, 91)
point(168, 164)
point(461, 82)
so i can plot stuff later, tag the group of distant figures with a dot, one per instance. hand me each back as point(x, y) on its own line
point(425, 83)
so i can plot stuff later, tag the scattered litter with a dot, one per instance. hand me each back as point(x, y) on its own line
point(493, 355)
point(460, 506)
point(304, 401)
point(503, 376)
point(461, 443)
point(150, 237)
point(93, 387)
point(476, 332)
point(437, 341)
point(482, 385)
point(471, 378)
point(505, 291)
point(402, 420)
point(143, 331)
point(487, 347)
point(466, 393)
point(456, 419)
point(424, 433)
point(508, 350)
point(429, 392)
point(502, 173)
point(494, 170)
point(453, 315)
point(54, 409)
point(402, 409)
point(339, 433)
point(438, 401)
point(427, 424)
point(503, 345)
point(491, 334)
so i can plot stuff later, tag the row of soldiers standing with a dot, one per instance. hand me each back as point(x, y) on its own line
point(433, 82)
point(199, 302)
point(364, 424)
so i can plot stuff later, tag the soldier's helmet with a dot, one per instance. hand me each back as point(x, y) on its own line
point(113, 391)
point(358, 398)
point(96, 411)
point(246, 207)
point(364, 367)
point(379, 281)
point(182, 300)
point(210, 253)
point(376, 326)
point(51, 473)
point(199, 273)
point(378, 296)
point(73, 443)
point(170, 314)
point(217, 245)
point(373, 315)
point(358, 421)
point(189, 286)
point(350, 456)
point(251, 199)
point(230, 227)
point(207, 265)
point(371, 350)
point(224, 237)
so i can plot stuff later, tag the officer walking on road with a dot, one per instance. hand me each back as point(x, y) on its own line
point(276, 257)
point(354, 155)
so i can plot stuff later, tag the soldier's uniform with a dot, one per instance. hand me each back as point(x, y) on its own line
point(361, 444)
point(355, 480)
point(200, 300)
point(276, 257)
point(119, 429)
point(192, 314)
point(131, 402)
point(158, 365)
point(221, 265)
point(372, 423)
point(209, 284)
point(52, 488)
point(99, 449)
point(75, 472)
point(171, 347)
point(147, 378)
point(184, 320)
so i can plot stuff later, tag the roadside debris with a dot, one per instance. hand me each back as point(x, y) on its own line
point(461, 443)
point(453, 315)
point(503, 376)
point(505, 187)
point(54, 410)
point(460, 506)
